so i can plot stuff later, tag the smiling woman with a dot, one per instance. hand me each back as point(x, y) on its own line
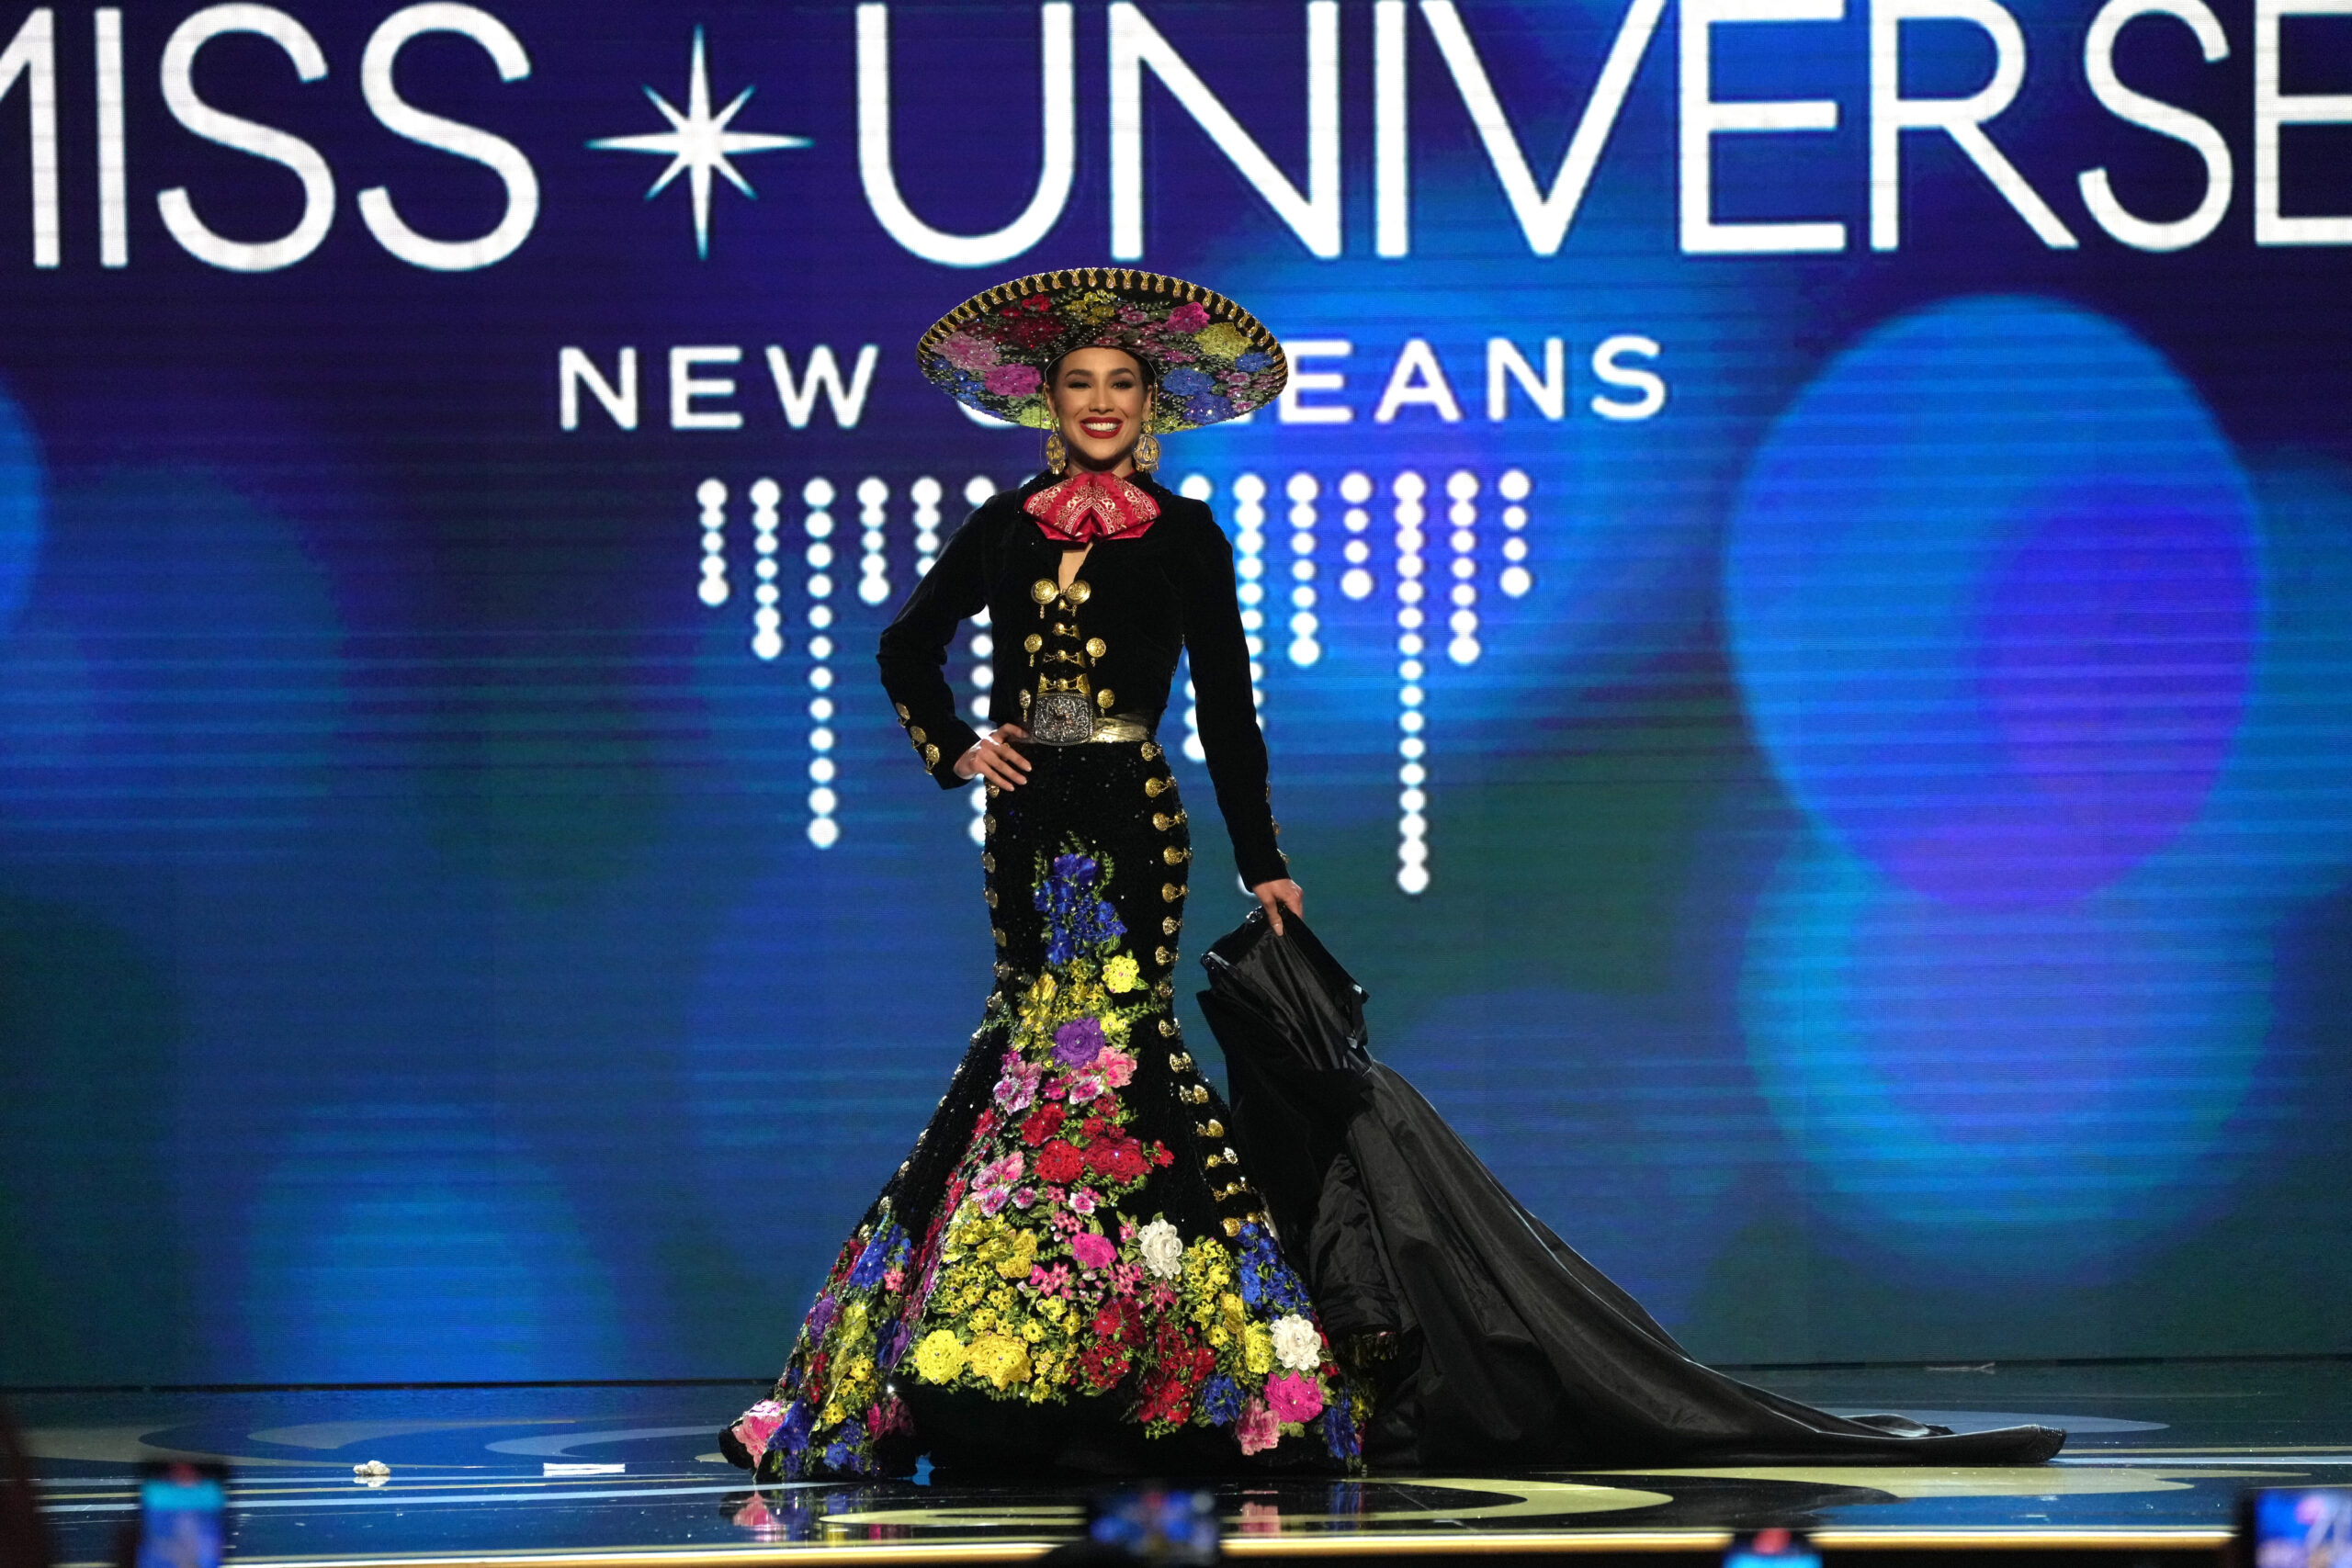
point(1072, 1266)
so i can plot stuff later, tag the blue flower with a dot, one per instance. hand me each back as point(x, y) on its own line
point(1207, 408)
point(1220, 1400)
point(1184, 381)
point(844, 1452)
point(792, 1435)
point(1338, 1430)
point(1253, 361)
point(875, 1258)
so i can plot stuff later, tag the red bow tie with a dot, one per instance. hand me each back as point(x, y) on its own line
point(1090, 505)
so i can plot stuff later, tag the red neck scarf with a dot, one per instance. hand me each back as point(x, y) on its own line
point(1090, 505)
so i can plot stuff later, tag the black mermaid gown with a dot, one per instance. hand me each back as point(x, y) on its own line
point(1501, 1348)
point(1072, 1268)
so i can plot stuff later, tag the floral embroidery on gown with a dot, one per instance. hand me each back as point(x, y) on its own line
point(1063, 1261)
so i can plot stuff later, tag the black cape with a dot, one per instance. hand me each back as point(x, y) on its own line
point(1492, 1344)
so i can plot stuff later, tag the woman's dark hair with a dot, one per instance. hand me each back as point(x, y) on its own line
point(1144, 368)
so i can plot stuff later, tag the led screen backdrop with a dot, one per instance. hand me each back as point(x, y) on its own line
point(1803, 591)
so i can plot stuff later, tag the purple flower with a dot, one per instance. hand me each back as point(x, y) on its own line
point(1077, 1043)
point(820, 1316)
point(1012, 381)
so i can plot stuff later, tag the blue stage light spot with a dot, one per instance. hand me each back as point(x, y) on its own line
point(1991, 591)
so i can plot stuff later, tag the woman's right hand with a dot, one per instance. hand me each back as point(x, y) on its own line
point(994, 758)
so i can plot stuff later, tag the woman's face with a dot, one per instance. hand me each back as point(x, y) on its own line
point(1101, 402)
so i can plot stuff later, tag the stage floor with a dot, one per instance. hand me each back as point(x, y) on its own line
point(2158, 1452)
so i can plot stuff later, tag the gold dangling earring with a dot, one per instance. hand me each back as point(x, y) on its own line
point(1057, 454)
point(1147, 452)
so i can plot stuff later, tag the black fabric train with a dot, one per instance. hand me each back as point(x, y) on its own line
point(1494, 1345)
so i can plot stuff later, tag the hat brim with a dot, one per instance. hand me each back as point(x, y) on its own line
point(1213, 359)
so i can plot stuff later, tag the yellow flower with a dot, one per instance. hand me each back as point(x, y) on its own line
point(1258, 1349)
point(1032, 1330)
point(1018, 1259)
point(999, 1358)
point(1121, 973)
point(940, 1356)
point(1223, 339)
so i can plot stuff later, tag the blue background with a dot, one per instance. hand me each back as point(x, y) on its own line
point(1889, 874)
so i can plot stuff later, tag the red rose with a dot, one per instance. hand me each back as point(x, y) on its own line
point(1120, 1159)
point(1165, 1398)
point(1098, 1126)
point(1043, 1124)
point(1060, 1163)
point(1100, 1366)
point(1159, 1155)
point(1118, 1322)
point(985, 1125)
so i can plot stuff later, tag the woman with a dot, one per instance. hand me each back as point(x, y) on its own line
point(1072, 1266)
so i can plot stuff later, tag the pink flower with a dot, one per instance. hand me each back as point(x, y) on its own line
point(1258, 1430)
point(1118, 1069)
point(894, 1279)
point(969, 351)
point(1190, 317)
point(1294, 1398)
point(995, 1182)
point(1082, 1087)
point(757, 1425)
point(1163, 1297)
point(1011, 380)
point(1023, 1197)
point(1017, 1090)
point(1082, 1200)
point(1093, 1250)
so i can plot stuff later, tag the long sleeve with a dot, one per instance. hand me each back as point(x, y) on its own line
point(1228, 715)
point(913, 655)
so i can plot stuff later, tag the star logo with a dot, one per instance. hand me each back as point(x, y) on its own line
point(699, 144)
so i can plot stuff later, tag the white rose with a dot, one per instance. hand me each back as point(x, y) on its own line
point(1162, 1249)
point(1296, 1344)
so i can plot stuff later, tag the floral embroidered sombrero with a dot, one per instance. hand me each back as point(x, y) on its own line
point(1213, 358)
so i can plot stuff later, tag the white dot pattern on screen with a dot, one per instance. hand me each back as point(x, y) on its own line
point(824, 828)
point(768, 619)
point(1199, 487)
point(978, 488)
point(1516, 578)
point(1412, 821)
point(1304, 648)
point(872, 559)
point(1438, 598)
point(1461, 485)
point(711, 496)
point(1357, 581)
point(1250, 566)
point(925, 494)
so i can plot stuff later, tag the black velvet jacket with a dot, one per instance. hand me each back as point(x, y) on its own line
point(1145, 599)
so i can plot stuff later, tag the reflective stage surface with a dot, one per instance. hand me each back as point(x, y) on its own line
point(630, 1474)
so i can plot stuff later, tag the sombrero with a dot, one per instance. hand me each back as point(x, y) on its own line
point(1213, 358)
